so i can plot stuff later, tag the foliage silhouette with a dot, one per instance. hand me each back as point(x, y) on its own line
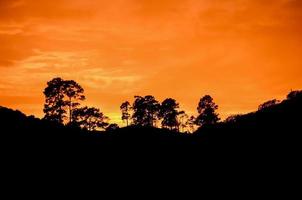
point(294, 95)
point(125, 108)
point(60, 95)
point(268, 104)
point(270, 132)
point(233, 118)
point(191, 123)
point(54, 107)
point(74, 93)
point(168, 112)
point(112, 127)
point(145, 111)
point(268, 140)
point(183, 120)
point(89, 118)
point(207, 111)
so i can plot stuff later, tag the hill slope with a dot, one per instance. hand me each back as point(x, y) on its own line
point(273, 129)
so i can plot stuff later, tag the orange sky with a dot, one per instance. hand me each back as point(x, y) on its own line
point(242, 52)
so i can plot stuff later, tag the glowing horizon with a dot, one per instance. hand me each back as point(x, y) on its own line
point(241, 52)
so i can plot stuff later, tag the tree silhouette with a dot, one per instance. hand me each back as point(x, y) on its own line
point(294, 94)
point(168, 112)
point(152, 109)
point(125, 108)
point(191, 123)
point(145, 110)
point(112, 127)
point(54, 101)
point(232, 118)
point(89, 118)
point(207, 111)
point(60, 95)
point(138, 107)
point(268, 104)
point(182, 120)
point(74, 93)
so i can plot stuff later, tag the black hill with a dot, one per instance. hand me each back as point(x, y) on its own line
point(275, 128)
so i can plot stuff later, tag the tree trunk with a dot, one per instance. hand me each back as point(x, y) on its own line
point(70, 120)
point(127, 116)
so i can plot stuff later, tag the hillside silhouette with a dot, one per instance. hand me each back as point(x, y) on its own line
point(273, 129)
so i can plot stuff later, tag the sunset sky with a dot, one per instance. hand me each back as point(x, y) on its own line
point(241, 52)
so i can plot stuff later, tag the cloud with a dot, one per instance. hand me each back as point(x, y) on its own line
point(23, 10)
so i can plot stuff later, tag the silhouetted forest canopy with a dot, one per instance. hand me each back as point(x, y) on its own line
point(148, 121)
point(63, 105)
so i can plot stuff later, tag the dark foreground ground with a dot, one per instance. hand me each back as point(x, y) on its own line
point(271, 136)
point(274, 132)
point(262, 147)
